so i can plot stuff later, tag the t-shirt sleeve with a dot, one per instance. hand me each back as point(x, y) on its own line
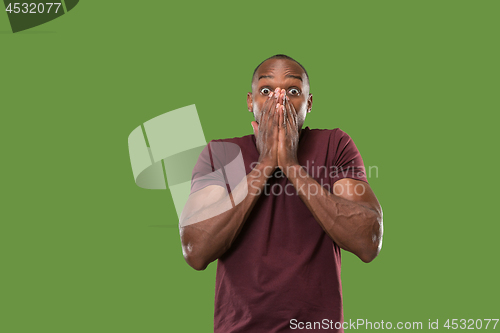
point(206, 171)
point(347, 161)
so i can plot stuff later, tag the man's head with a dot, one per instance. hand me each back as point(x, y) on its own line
point(280, 71)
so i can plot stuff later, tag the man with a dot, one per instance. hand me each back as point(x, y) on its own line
point(278, 250)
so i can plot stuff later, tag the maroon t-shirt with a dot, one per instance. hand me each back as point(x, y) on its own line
point(282, 266)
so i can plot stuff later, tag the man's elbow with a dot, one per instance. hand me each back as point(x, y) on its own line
point(194, 259)
point(195, 263)
point(191, 250)
point(374, 245)
point(368, 256)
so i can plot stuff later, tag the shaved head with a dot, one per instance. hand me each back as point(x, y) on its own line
point(281, 56)
point(283, 72)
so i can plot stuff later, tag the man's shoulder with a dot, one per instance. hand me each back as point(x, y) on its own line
point(334, 134)
point(325, 130)
point(239, 140)
point(236, 138)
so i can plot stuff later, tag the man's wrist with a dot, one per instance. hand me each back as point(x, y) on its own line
point(293, 170)
point(266, 168)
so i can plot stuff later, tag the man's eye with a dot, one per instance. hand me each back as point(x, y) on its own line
point(294, 92)
point(265, 91)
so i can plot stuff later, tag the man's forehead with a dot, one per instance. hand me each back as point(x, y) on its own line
point(277, 66)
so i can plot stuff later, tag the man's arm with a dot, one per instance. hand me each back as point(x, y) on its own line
point(209, 223)
point(352, 219)
point(206, 239)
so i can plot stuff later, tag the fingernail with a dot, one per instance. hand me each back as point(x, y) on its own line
point(277, 105)
point(271, 94)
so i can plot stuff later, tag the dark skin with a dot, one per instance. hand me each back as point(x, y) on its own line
point(207, 228)
point(281, 78)
point(280, 100)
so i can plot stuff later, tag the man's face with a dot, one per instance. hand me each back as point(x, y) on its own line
point(284, 74)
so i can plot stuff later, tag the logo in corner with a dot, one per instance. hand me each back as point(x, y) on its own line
point(26, 15)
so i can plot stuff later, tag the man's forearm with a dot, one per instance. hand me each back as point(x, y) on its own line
point(353, 226)
point(205, 240)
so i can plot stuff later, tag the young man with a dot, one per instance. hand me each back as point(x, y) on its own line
point(277, 234)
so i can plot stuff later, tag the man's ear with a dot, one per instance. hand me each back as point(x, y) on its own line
point(309, 103)
point(250, 102)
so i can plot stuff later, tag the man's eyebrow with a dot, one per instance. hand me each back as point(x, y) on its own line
point(272, 77)
point(294, 77)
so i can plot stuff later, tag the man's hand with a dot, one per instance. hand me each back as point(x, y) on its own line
point(266, 131)
point(288, 135)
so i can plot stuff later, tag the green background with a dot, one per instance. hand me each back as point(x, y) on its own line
point(414, 83)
